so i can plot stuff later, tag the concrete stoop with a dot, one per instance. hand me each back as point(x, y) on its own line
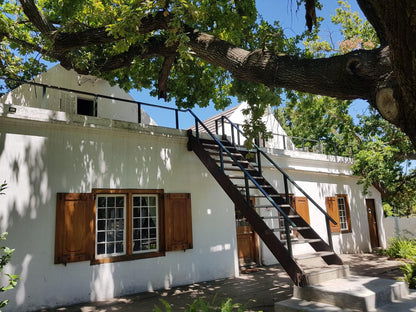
point(315, 276)
point(353, 293)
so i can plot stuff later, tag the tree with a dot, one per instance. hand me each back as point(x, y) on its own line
point(382, 153)
point(195, 51)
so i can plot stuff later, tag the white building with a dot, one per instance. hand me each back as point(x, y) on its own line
point(99, 205)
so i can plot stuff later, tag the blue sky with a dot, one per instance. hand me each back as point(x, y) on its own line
point(293, 21)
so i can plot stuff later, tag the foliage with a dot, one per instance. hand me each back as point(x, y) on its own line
point(401, 247)
point(201, 305)
point(382, 153)
point(409, 270)
point(5, 256)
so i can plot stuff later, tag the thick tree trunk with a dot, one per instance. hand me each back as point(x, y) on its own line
point(395, 23)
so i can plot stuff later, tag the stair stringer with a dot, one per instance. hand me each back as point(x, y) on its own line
point(275, 246)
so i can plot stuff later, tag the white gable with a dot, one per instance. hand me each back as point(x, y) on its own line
point(280, 140)
point(61, 100)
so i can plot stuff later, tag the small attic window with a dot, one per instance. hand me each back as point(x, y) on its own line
point(86, 107)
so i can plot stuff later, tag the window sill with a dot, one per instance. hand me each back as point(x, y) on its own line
point(127, 257)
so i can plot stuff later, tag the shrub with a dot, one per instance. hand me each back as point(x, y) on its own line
point(402, 247)
point(409, 270)
point(6, 254)
point(200, 305)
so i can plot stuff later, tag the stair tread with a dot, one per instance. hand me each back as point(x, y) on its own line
point(303, 241)
point(271, 206)
point(279, 217)
point(295, 228)
point(263, 186)
point(314, 255)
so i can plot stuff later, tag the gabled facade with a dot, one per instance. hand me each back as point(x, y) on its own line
point(99, 205)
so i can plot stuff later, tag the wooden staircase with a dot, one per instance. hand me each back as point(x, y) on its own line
point(242, 180)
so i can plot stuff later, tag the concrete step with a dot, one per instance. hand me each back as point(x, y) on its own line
point(354, 293)
point(297, 305)
point(315, 276)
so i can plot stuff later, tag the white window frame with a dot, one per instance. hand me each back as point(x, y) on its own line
point(141, 220)
point(107, 231)
point(342, 210)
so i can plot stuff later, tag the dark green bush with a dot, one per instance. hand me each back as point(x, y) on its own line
point(402, 247)
point(409, 270)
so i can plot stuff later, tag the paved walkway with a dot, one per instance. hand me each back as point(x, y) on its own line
point(257, 289)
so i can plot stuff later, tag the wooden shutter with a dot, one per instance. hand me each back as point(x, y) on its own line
point(332, 210)
point(302, 208)
point(74, 232)
point(178, 221)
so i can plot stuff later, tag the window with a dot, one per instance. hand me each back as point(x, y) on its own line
point(116, 225)
point(342, 209)
point(86, 107)
point(338, 209)
point(110, 225)
point(145, 220)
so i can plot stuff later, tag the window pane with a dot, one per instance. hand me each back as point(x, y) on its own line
point(144, 212)
point(101, 225)
point(111, 201)
point(136, 212)
point(144, 201)
point(136, 201)
point(136, 223)
point(101, 202)
point(111, 213)
point(119, 235)
point(152, 211)
point(119, 247)
point(120, 201)
point(101, 213)
point(110, 248)
point(100, 237)
point(120, 213)
point(100, 249)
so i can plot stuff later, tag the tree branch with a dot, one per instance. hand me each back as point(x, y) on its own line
point(164, 75)
point(350, 76)
point(66, 41)
point(155, 47)
point(37, 18)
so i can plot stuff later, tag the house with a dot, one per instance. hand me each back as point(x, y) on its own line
point(102, 202)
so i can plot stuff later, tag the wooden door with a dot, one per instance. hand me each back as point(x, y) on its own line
point(372, 222)
point(247, 245)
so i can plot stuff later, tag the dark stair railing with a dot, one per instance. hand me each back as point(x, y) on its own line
point(247, 175)
point(286, 178)
point(201, 146)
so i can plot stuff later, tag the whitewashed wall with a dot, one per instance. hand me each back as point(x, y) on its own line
point(323, 176)
point(55, 154)
point(395, 226)
point(33, 96)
